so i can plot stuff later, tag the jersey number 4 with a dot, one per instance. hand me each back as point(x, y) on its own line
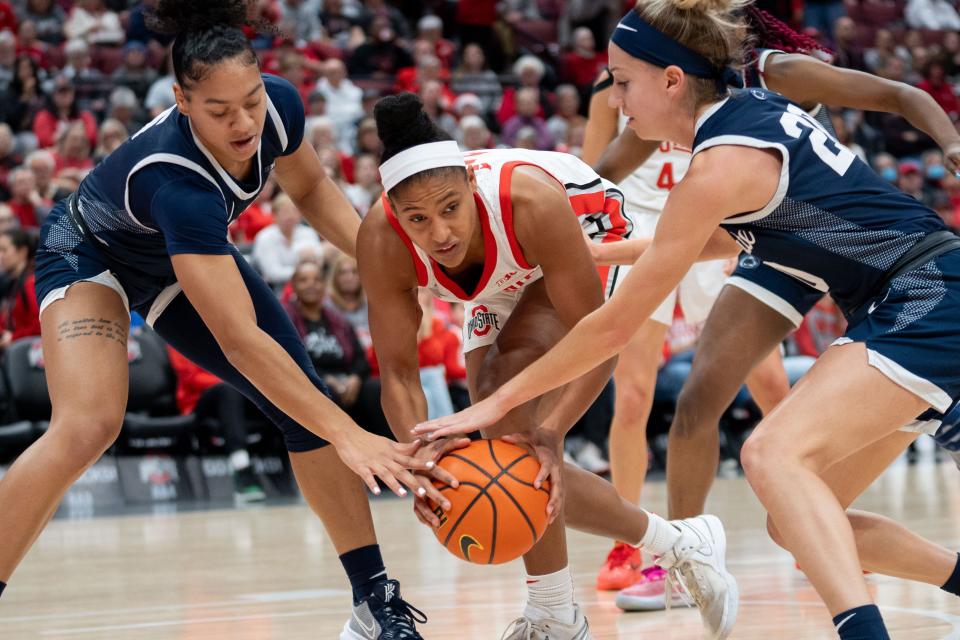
point(837, 156)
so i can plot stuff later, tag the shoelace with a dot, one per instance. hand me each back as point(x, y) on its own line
point(520, 624)
point(675, 573)
point(403, 616)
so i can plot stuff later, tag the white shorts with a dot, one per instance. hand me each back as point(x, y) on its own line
point(699, 288)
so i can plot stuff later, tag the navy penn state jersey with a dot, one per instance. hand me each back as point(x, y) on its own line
point(833, 222)
point(163, 193)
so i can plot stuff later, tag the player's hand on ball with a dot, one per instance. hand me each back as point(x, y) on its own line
point(547, 446)
point(473, 418)
point(427, 493)
point(372, 457)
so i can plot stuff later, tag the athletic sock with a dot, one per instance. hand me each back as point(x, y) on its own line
point(551, 596)
point(239, 459)
point(952, 585)
point(364, 567)
point(861, 623)
point(660, 535)
point(3, 585)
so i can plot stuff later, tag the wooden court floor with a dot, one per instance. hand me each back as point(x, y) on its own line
point(269, 572)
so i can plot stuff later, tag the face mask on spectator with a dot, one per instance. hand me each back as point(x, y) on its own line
point(936, 172)
point(889, 174)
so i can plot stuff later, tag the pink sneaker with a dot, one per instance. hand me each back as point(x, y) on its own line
point(649, 594)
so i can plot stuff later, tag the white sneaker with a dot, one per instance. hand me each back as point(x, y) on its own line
point(698, 562)
point(590, 457)
point(524, 628)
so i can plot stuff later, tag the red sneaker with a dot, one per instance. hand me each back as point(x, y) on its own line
point(621, 569)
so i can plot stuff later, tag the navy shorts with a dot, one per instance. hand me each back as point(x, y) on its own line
point(783, 293)
point(912, 330)
point(65, 257)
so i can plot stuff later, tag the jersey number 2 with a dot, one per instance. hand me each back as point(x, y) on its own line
point(838, 158)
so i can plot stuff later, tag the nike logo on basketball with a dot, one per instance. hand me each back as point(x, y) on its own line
point(465, 543)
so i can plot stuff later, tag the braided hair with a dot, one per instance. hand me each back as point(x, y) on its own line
point(770, 33)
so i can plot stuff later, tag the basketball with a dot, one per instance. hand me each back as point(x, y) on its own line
point(496, 514)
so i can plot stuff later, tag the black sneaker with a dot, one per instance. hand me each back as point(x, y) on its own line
point(246, 486)
point(384, 615)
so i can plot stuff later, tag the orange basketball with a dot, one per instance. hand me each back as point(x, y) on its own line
point(496, 514)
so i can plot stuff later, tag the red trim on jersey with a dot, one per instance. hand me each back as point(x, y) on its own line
point(489, 258)
point(587, 203)
point(417, 262)
point(612, 207)
point(506, 209)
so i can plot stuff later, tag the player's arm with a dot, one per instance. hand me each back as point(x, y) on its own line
point(550, 236)
point(611, 155)
point(687, 224)
point(323, 205)
point(720, 245)
point(601, 120)
point(390, 282)
point(215, 288)
point(804, 80)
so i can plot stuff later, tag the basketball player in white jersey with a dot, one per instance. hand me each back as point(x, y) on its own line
point(501, 231)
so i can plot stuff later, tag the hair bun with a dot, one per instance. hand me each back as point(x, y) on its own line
point(707, 6)
point(174, 17)
point(402, 123)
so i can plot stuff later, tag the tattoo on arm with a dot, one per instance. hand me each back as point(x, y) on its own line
point(93, 327)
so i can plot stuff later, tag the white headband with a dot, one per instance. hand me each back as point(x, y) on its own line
point(422, 157)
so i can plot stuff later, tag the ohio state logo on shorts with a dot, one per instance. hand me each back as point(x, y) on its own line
point(482, 321)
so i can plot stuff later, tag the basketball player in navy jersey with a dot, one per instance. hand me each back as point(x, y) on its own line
point(500, 231)
point(740, 340)
point(147, 231)
point(805, 205)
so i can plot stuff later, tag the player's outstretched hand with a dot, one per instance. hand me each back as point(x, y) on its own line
point(371, 457)
point(473, 418)
point(547, 446)
point(427, 497)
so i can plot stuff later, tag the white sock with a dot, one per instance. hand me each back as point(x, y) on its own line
point(239, 460)
point(660, 535)
point(550, 596)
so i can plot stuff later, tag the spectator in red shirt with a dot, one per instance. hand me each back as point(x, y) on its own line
point(935, 84)
point(476, 19)
point(206, 395)
point(73, 154)
point(28, 44)
point(529, 71)
point(581, 66)
point(430, 28)
point(26, 203)
point(60, 111)
point(21, 315)
point(8, 19)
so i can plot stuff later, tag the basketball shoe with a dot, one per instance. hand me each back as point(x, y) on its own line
point(384, 615)
point(524, 628)
point(621, 569)
point(697, 562)
point(650, 593)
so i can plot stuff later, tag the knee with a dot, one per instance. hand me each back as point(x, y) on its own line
point(633, 397)
point(758, 458)
point(85, 439)
point(697, 410)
